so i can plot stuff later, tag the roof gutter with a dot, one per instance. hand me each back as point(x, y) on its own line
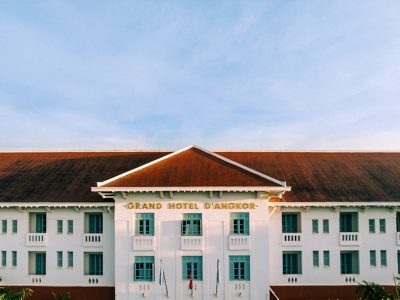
point(194, 189)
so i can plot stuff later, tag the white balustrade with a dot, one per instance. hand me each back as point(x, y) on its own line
point(92, 240)
point(143, 243)
point(36, 239)
point(291, 239)
point(239, 242)
point(191, 243)
point(349, 239)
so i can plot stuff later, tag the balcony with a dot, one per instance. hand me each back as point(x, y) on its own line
point(36, 239)
point(349, 239)
point(92, 240)
point(239, 242)
point(291, 239)
point(143, 243)
point(398, 238)
point(191, 243)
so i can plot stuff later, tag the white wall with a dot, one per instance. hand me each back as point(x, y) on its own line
point(216, 230)
point(330, 241)
point(56, 242)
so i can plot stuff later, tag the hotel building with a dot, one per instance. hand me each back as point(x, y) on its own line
point(195, 224)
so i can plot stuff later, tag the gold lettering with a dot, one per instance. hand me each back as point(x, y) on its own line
point(252, 206)
point(159, 205)
point(152, 206)
point(238, 205)
point(171, 205)
point(245, 206)
point(224, 205)
point(179, 206)
point(131, 205)
point(195, 206)
point(144, 206)
point(217, 206)
point(207, 205)
point(231, 205)
point(137, 205)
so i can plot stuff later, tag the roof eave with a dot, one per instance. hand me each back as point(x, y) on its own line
point(194, 189)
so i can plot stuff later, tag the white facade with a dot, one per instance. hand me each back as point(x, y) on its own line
point(25, 241)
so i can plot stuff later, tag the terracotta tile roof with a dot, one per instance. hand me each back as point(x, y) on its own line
point(313, 176)
point(192, 167)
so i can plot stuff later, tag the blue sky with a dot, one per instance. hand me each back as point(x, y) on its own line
point(231, 74)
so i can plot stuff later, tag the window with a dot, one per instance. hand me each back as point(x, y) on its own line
point(398, 221)
point(315, 226)
point(315, 255)
point(382, 225)
point(14, 259)
point(192, 265)
point(143, 268)
point(145, 224)
point(349, 263)
point(371, 225)
point(40, 260)
point(191, 224)
point(239, 267)
point(326, 258)
point(383, 258)
point(291, 262)
point(70, 226)
point(325, 226)
point(94, 223)
point(372, 258)
point(40, 223)
point(3, 259)
point(290, 222)
point(93, 263)
point(70, 257)
point(240, 223)
point(59, 226)
point(348, 222)
point(4, 226)
point(14, 226)
point(398, 261)
point(59, 259)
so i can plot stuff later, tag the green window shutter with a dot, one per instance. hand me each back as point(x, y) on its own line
point(70, 226)
point(14, 226)
point(70, 258)
point(326, 259)
point(95, 222)
point(4, 226)
point(383, 258)
point(291, 262)
point(325, 226)
point(371, 225)
point(41, 223)
point(239, 267)
point(194, 265)
point(316, 258)
point(315, 226)
point(372, 258)
point(143, 268)
point(290, 222)
point(40, 263)
point(191, 224)
point(382, 225)
point(59, 226)
point(144, 224)
point(398, 261)
point(398, 222)
point(3, 259)
point(14, 258)
point(95, 264)
point(240, 223)
point(59, 259)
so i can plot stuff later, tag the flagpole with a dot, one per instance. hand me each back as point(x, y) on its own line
point(166, 285)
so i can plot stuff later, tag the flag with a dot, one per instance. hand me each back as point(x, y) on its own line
point(161, 276)
point(191, 283)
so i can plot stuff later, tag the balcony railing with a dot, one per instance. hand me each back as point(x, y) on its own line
point(143, 243)
point(239, 242)
point(191, 243)
point(349, 239)
point(291, 239)
point(36, 239)
point(92, 240)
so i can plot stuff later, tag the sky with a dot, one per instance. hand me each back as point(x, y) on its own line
point(240, 75)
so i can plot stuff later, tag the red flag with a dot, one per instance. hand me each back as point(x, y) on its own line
point(191, 282)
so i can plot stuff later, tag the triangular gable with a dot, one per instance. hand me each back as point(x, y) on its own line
point(191, 167)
